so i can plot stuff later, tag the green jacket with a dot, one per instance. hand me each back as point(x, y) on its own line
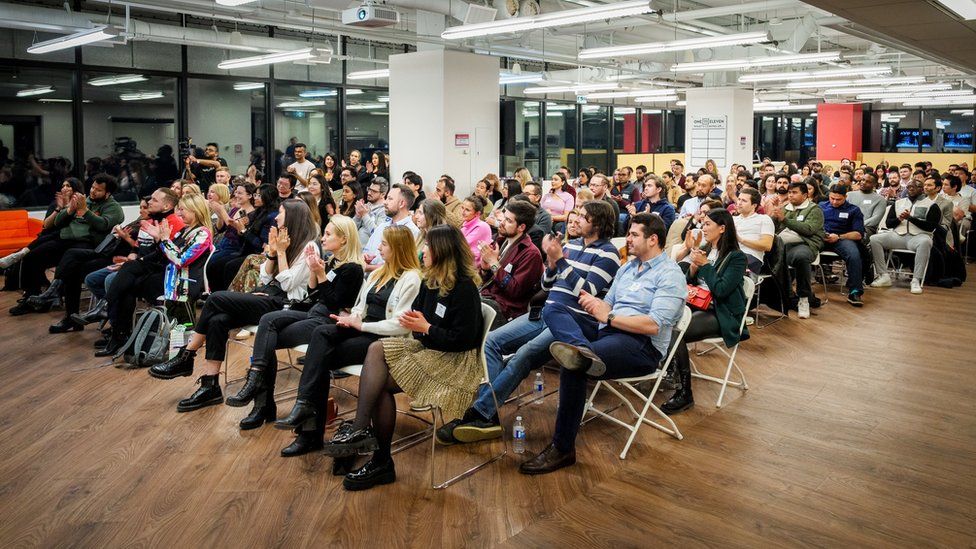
point(808, 223)
point(94, 225)
point(725, 282)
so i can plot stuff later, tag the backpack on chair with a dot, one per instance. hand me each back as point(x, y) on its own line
point(149, 343)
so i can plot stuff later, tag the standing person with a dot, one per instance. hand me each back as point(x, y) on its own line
point(283, 277)
point(324, 203)
point(476, 232)
point(203, 171)
point(380, 165)
point(383, 299)
point(330, 171)
point(439, 366)
point(627, 334)
point(558, 202)
point(333, 285)
point(301, 168)
point(799, 223)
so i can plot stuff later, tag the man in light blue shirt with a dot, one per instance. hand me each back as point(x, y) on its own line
point(397, 205)
point(644, 303)
point(371, 213)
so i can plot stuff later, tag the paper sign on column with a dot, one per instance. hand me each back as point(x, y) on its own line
point(709, 136)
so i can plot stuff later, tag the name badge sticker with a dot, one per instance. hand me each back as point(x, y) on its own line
point(440, 310)
point(800, 217)
point(331, 276)
point(635, 287)
point(843, 215)
point(508, 268)
point(867, 201)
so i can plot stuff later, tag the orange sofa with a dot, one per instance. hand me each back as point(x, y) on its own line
point(17, 230)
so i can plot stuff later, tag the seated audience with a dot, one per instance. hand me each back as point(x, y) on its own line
point(843, 230)
point(558, 202)
point(476, 232)
point(371, 213)
point(754, 230)
point(624, 335)
point(909, 225)
point(397, 207)
point(511, 266)
point(430, 214)
point(871, 203)
point(653, 201)
point(445, 193)
point(799, 223)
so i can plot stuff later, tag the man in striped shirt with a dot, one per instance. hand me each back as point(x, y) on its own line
point(586, 264)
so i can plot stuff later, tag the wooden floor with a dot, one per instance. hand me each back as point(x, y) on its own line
point(859, 430)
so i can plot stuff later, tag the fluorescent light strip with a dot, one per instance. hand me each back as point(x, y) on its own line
point(675, 45)
point(630, 93)
point(368, 75)
point(354, 91)
point(923, 102)
point(245, 86)
point(558, 107)
point(809, 107)
point(889, 89)
point(854, 83)
point(963, 8)
point(575, 88)
point(303, 54)
point(120, 79)
point(770, 104)
point(233, 3)
point(961, 111)
point(141, 96)
point(318, 93)
point(546, 20)
point(383, 99)
point(755, 62)
point(529, 78)
point(35, 91)
point(810, 75)
point(298, 104)
point(365, 107)
point(916, 95)
point(665, 99)
point(76, 39)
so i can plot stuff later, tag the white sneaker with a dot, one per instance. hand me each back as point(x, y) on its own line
point(7, 261)
point(916, 286)
point(803, 308)
point(882, 281)
point(241, 335)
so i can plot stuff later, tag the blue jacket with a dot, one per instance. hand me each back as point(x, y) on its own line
point(662, 208)
point(845, 219)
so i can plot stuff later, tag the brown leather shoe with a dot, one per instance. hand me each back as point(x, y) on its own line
point(547, 461)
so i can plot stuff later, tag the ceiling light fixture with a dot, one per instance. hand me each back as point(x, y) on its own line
point(808, 107)
point(663, 99)
point(770, 104)
point(298, 104)
point(631, 93)
point(120, 79)
point(316, 55)
point(318, 93)
point(675, 45)
point(810, 75)
point(233, 3)
point(854, 83)
point(368, 75)
point(528, 78)
point(141, 96)
point(916, 95)
point(963, 8)
point(35, 91)
point(889, 89)
point(931, 101)
point(365, 106)
point(245, 86)
point(756, 62)
point(574, 88)
point(546, 20)
point(77, 39)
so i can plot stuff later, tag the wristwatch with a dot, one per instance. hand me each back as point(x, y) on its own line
point(610, 318)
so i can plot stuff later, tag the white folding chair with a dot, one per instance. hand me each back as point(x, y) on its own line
point(648, 400)
point(897, 270)
point(759, 282)
point(716, 343)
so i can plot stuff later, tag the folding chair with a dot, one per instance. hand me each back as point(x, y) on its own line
point(648, 400)
point(897, 270)
point(759, 282)
point(748, 287)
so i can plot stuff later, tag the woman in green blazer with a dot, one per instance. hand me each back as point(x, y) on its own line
point(720, 267)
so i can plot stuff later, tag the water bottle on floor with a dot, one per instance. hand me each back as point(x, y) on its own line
point(518, 436)
point(539, 388)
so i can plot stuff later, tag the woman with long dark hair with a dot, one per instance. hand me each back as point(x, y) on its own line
point(233, 224)
point(330, 171)
point(439, 366)
point(719, 267)
point(509, 188)
point(351, 193)
point(254, 237)
point(324, 203)
point(283, 277)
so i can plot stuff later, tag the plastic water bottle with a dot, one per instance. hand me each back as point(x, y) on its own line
point(539, 388)
point(518, 436)
point(177, 339)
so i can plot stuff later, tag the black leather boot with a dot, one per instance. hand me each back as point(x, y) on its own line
point(301, 413)
point(265, 411)
point(97, 313)
point(115, 342)
point(373, 473)
point(51, 294)
point(207, 395)
point(306, 442)
point(253, 385)
point(682, 398)
point(179, 365)
point(65, 325)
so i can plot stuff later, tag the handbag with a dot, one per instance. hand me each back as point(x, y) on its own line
point(699, 298)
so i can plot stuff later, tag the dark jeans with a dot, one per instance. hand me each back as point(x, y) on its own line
point(331, 347)
point(283, 330)
point(800, 257)
point(75, 265)
point(134, 280)
point(625, 355)
point(850, 252)
point(217, 269)
point(45, 251)
point(225, 311)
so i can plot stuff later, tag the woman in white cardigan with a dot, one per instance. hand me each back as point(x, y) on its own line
point(284, 278)
point(388, 293)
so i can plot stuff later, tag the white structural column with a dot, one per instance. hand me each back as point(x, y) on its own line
point(718, 126)
point(444, 114)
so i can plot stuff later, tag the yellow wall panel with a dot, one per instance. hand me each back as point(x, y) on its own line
point(940, 161)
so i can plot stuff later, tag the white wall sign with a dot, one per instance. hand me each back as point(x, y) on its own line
point(709, 135)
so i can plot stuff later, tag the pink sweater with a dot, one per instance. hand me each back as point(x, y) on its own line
point(475, 232)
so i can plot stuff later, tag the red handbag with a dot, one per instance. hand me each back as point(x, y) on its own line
point(699, 298)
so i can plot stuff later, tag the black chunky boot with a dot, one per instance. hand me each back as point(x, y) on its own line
point(179, 365)
point(116, 340)
point(47, 298)
point(300, 413)
point(682, 398)
point(265, 411)
point(253, 385)
point(207, 395)
point(97, 313)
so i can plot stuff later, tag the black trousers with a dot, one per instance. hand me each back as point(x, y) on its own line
point(135, 279)
point(72, 270)
point(217, 268)
point(45, 251)
point(225, 311)
point(330, 347)
point(704, 325)
point(284, 330)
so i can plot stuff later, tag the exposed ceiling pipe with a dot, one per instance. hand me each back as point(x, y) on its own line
point(732, 9)
point(454, 8)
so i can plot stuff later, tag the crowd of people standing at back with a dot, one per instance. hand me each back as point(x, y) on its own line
point(363, 271)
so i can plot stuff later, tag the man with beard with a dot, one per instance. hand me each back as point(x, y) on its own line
point(911, 220)
point(871, 203)
point(704, 189)
point(799, 223)
point(512, 266)
point(397, 204)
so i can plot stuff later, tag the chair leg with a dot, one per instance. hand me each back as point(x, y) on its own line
point(433, 445)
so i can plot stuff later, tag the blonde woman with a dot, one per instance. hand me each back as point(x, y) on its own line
point(438, 366)
point(283, 278)
point(523, 175)
point(191, 188)
point(335, 283)
point(386, 295)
